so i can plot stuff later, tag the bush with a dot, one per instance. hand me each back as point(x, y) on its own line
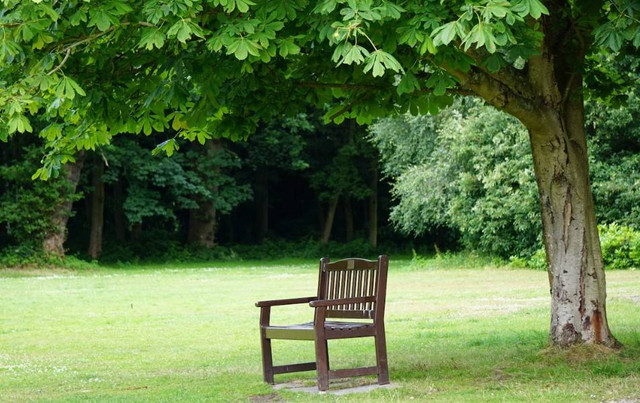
point(620, 248)
point(538, 260)
point(151, 248)
point(26, 256)
point(308, 248)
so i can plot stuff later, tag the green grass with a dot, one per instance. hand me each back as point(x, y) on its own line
point(190, 334)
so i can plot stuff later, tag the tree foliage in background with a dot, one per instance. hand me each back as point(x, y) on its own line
point(615, 161)
point(470, 170)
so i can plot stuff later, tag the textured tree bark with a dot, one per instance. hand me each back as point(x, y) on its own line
point(328, 222)
point(97, 212)
point(53, 242)
point(574, 257)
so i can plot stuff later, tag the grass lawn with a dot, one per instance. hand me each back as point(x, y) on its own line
point(169, 334)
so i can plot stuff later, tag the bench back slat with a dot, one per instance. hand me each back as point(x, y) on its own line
point(353, 278)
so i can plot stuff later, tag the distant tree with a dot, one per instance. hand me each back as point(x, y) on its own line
point(215, 167)
point(156, 189)
point(340, 171)
point(96, 207)
point(35, 214)
point(275, 147)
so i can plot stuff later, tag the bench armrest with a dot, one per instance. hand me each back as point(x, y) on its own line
point(288, 301)
point(343, 301)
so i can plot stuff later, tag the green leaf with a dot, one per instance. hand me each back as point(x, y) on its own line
point(536, 9)
point(242, 47)
point(51, 132)
point(444, 34)
point(614, 41)
point(68, 88)
point(168, 147)
point(20, 124)
point(100, 19)
point(239, 49)
point(151, 38)
point(53, 14)
point(78, 17)
point(440, 88)
point(428, 46)
point(202, 136)
point(243, 5)
point(498, 10)
point(494, 62)
point(8, 50)
point(181, 30)
point(408, 84)
point(38, 174)
point(379, 61)
point(74, 85)
point(288, 47)
point(355, 54)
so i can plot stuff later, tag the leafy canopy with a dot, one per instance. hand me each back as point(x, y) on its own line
point(78, 72)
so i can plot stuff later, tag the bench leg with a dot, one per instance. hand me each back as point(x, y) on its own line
point(322, 364)
point(381, 357)
point(267, 361)
point(265, 344)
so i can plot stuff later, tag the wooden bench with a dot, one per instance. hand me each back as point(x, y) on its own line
point(347, 289)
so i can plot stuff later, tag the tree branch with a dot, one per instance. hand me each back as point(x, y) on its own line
point(508, 76)
point(346, 86)
point(64, 60)
point(350, 105)
point(90, 38)
point(495, 93)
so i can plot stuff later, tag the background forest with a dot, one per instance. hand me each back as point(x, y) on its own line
point(299, 188)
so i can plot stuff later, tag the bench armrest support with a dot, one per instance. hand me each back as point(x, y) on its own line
point(288, 301)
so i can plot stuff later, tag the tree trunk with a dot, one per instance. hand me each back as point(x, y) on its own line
point(328, 223)
point(262, 203)
point(53, 242)
point(373, 205)
point(348, 219)
point(574, 257)
point(136, 231)
point(320, 215)
point(202, 221)
point(97, 212)
point(202, 225)
point(547, 97)
point(119, 219)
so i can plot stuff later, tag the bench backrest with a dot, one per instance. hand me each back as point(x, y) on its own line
point(353, 278)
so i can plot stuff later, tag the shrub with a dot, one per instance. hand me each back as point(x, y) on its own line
point(620, 246)
point(538, 260)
